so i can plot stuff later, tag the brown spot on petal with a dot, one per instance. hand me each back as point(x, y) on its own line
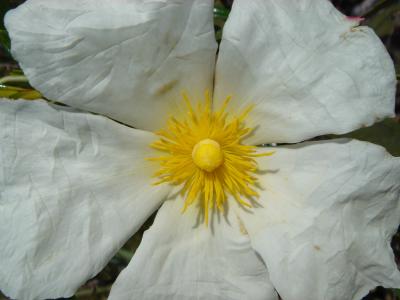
point(165, 88)
point(242, 229)
point(316, 247)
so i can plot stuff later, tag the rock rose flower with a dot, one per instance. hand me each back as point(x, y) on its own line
point(309, 221)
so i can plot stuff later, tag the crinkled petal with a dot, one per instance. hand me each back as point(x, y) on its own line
point(126, 59)
point(329, 210)
point(182, 259)
point(73, 188)
point(308, 69)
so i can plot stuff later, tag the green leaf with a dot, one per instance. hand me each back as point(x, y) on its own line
point(19, 93)
point(378, 7)
point(385, 133)
point(16, 72)
point(4, 7)
point(396, 292)
point(221, 12)
point(5, 42)
point(4, 38)
point(125, 255)
point(382, 19)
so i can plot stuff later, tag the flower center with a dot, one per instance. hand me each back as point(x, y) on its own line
point(207, 155)
point(204, 155)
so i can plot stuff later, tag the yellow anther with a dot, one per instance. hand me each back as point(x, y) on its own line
point(207, 155)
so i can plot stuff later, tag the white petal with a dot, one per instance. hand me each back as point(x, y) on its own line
point(74, 187)
point(182, 259)
point(307, 68)
point(127, 59)
point(329, 212)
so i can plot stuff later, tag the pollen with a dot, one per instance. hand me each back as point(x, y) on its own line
point(205, 157)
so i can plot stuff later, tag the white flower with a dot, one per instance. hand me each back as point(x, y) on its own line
point(75, 186)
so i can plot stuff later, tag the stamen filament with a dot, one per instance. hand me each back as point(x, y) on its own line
point(193, 159)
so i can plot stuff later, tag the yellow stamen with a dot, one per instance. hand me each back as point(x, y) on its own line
point(204, 155)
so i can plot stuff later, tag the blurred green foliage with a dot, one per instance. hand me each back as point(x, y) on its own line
point(4, 38)
point(385, 133)
point(383, 21)
point(4, 7)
